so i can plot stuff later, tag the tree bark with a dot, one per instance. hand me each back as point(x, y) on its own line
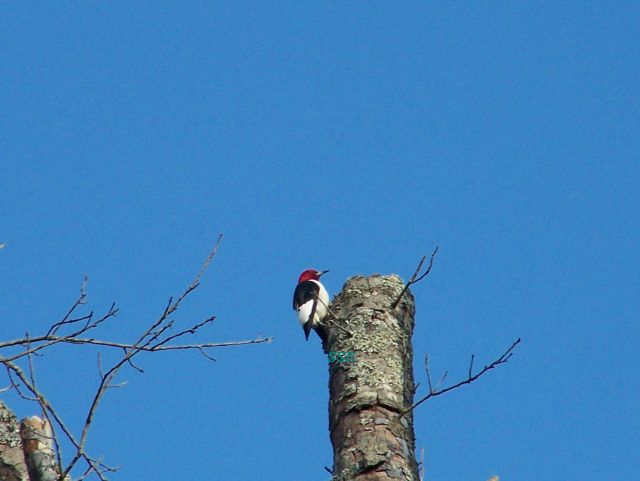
point(37, 441)
point(12, 462)
point(370, 441)
point(26, 449)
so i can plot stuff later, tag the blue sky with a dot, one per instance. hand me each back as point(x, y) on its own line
point(350, 136)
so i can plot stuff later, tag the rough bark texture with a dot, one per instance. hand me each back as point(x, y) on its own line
point(26, 450)
point(37, 441)
point(12, 462)
point(369, 441)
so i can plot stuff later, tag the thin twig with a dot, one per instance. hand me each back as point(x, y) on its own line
point(414, 278)
point(328, 318)
point(80, 300)
point(426, 368)
point(153, 338)
point(45, 414)
point(196, 280)
point(120, 345)
point(437, 392)
point(191, 330)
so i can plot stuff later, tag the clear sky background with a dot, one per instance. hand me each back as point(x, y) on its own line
point(350, 136)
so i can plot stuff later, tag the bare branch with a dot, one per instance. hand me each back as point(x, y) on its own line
point(442, 379)
point(196, 280)
point(471, 364)
point(472, 377)
point(45, 414)
point(204, 353)
point(120, 345)
point(414, 278)
point(426, 368)
point(155, 337)
point(55, 339)
point(191, 330)
point(80, 300)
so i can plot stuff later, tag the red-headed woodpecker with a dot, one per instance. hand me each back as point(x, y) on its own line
point(311, 301)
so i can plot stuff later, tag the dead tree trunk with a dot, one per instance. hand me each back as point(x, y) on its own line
point(13, 466)
point(26, 449)
point(370, 441)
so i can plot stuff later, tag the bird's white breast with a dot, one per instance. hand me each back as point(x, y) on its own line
point(304, 311)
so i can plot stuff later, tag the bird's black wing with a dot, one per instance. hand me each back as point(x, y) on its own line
point(305, 291)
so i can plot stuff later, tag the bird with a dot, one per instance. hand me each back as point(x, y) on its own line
point(311, 301)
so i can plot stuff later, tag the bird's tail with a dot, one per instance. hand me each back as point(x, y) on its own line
point(307, 329)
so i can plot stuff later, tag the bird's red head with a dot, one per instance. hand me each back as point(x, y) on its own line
point(310, 274)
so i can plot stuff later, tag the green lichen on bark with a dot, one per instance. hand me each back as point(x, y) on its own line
point(366, 396)
point(12, 461)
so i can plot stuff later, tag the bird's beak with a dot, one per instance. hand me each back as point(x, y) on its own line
point(320, 273)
